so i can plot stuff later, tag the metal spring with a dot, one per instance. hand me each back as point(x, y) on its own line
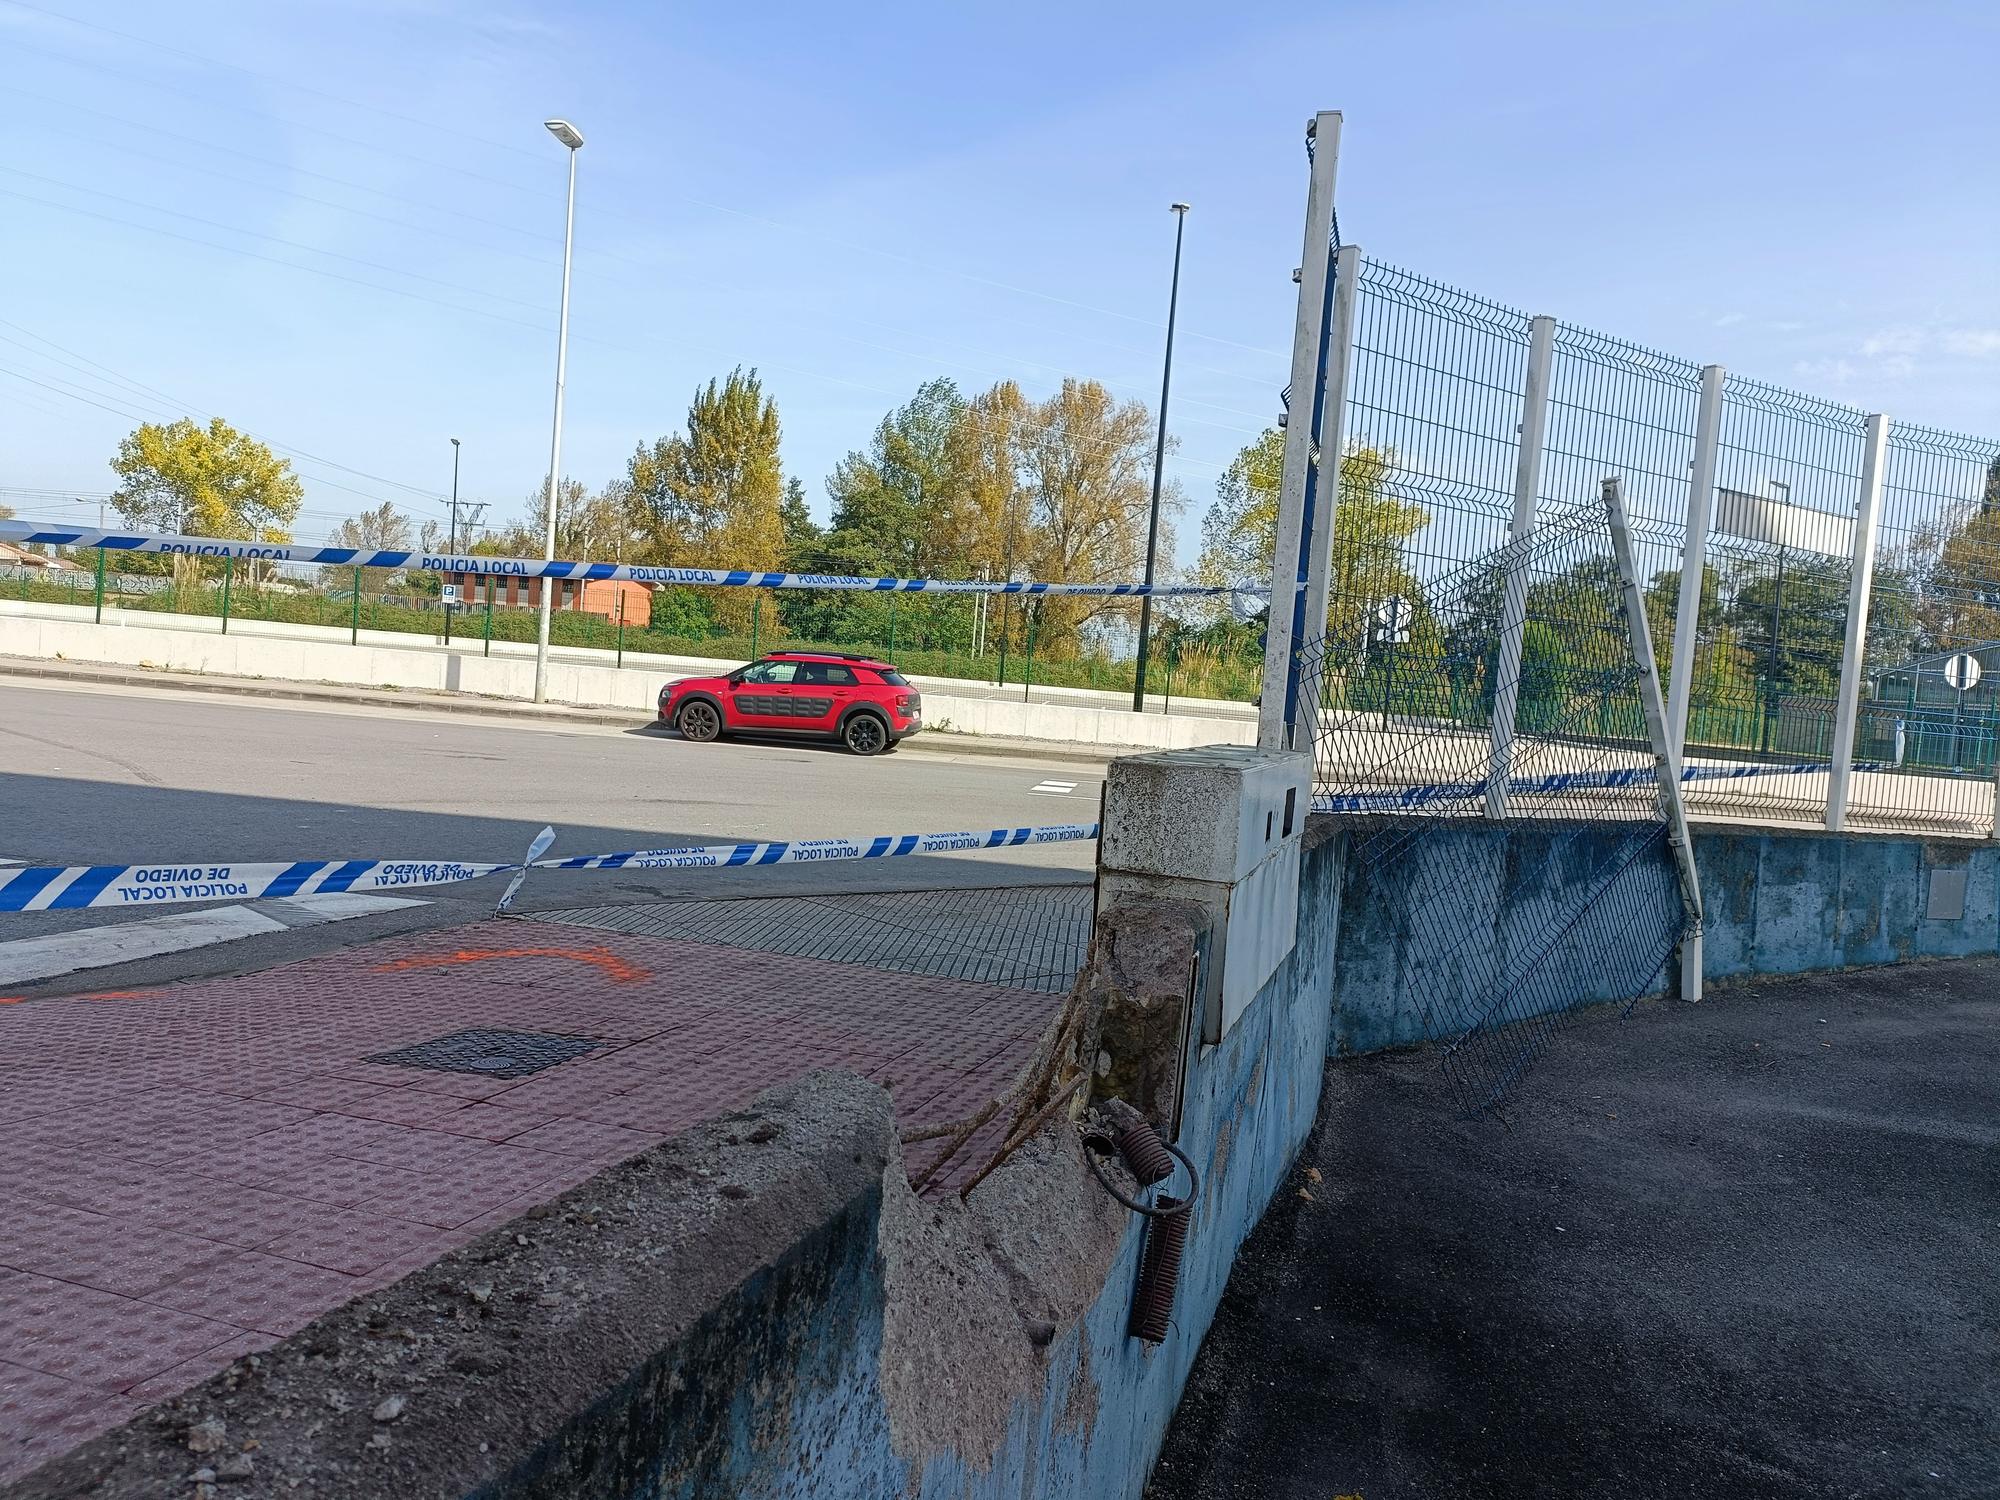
point(1145, 1154)
point(1160, 1271)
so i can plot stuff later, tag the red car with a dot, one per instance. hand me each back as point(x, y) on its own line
point(865, 704)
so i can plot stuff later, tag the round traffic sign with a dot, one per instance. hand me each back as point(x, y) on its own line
point(1962, 672)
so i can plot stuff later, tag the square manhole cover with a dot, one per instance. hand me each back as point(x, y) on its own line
point(497, 1054)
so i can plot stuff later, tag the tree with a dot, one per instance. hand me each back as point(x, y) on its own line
point(204, 481)
point(711, 496)
point(1370, 526)
point(904, 497)
point(802, 533)
point(380, 528)
point(1086, 469)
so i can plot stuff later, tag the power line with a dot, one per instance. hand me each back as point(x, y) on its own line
point(292, 85)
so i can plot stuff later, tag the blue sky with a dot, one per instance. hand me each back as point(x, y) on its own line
point(855, 199)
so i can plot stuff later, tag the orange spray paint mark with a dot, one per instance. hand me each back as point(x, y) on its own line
point(612, 966)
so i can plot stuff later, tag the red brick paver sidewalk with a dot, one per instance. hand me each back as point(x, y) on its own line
point(191, 1173)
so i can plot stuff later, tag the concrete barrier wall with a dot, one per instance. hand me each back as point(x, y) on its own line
point(295, 653)
point(1777, 902)
point(761, 1307)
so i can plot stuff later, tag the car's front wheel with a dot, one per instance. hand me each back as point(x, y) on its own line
point(698, 721)
point(865, 734)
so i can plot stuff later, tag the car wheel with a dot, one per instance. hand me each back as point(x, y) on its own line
point(698, 721)
point(865, 734)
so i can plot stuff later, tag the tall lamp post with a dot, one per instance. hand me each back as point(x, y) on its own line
point(571, 137)
point(1159, 460)
point(453, 547)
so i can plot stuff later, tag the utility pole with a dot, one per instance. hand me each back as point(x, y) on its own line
point(1180, 212)
point(571, 138)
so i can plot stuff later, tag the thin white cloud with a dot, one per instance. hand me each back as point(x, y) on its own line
point(1730, 320)
point(1975, 343)
point(1834, 371)
point(1894, 341)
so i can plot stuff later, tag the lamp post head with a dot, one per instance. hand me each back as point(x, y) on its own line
point(1179, 208)
point(454, 442)
point(565, 132)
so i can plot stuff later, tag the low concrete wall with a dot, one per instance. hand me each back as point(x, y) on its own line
point(305, 653)
point(761, 1307)
point(1777, 902)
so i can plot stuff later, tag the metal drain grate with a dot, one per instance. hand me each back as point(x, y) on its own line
point(497, 1054)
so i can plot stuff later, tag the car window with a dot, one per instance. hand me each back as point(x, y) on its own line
point(839, 676)
point(894, 678)
point(772, 671)
point(813, 672)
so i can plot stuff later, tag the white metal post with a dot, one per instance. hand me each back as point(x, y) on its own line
point(1694, 552)
point(1282, 631)
point(555, 439)
point(1860, 583)
point(1666, 755)
point(1332, 439)
point(1514, 608)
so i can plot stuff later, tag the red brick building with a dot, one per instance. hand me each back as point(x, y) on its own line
point(599, 596)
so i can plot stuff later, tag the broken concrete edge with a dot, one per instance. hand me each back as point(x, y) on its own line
point(759, 1291)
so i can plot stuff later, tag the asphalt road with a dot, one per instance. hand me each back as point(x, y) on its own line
point(1737, 1249)
point(93, 775)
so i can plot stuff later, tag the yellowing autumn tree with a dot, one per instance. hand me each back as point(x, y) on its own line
point(204, 481)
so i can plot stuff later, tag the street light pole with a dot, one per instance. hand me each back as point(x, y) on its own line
point(1180, 211)
point(571, 137)
point(452, 547)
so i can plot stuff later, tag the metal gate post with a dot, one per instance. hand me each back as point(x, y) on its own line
point(1860, 584)
point(1332, 440)
point(1666, 754)
point(1694, 553)
point(1514, 609)
point(1282, 630)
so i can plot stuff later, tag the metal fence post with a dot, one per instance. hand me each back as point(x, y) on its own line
point(1332, 440)
point(756, 614)
point(228, 577)
point(487, 649)
point(1860, 584)
point(1666, 755)
point(99, 620)
point(354, 618)
point(1514, 609)
point(1034, 613)
point(1694, 553)
point(1282, 631)
point(621, 626)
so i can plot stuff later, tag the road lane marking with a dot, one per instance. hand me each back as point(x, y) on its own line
point(96, 947)
point(1053, 788)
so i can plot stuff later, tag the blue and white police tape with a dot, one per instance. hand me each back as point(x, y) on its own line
point(46, 534)
point(72, 887)
point(1416, 798)
point(803, 851)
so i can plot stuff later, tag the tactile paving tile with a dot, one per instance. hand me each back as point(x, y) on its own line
point(1027, 937)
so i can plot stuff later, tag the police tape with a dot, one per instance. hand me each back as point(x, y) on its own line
point(74, 887)
point(42, 533)
point(804, 851)
point(1416, 798)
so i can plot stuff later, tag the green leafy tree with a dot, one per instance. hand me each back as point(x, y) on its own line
point(712, 495)
point(204, 481)
point(802, 533)
point(903, 498)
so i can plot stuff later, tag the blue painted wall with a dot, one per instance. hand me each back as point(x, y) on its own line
point(1777, 902)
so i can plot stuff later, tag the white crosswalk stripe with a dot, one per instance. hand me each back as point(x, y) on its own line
point(1053, 788)
point(96, 947)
